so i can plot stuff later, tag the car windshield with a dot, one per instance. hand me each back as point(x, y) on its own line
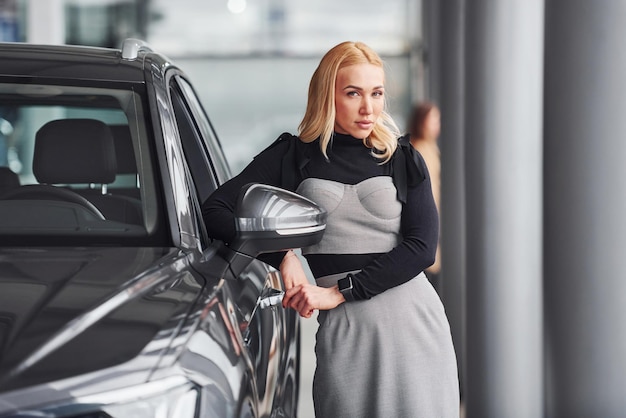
point(76, 166)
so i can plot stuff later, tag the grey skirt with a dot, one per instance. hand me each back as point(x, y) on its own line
point(390, 356)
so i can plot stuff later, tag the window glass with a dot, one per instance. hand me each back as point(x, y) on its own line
point(218, 161)
point(70, 167)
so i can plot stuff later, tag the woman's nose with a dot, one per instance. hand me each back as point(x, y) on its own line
point(366, 106)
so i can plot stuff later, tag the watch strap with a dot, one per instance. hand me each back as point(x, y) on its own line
point(345, 286)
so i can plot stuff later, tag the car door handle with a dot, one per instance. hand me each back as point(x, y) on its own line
point(271, 297)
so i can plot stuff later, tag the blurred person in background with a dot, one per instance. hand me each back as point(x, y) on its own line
point(424, 128)
point(383, 345)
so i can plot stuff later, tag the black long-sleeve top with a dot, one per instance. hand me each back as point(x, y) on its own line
point(288, 161)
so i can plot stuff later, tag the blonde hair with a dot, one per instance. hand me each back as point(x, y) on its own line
point(319, 117)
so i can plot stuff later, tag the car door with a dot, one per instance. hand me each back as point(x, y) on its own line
point(253, 290)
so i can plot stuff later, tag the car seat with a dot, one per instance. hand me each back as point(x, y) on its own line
point(8, 179)
point(82, 151)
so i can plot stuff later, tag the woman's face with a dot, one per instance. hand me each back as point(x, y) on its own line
point(359, 99)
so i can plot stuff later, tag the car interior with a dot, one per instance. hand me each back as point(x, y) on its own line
point(72, 164)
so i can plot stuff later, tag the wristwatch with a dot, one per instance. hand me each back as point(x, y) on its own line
point(345, 287)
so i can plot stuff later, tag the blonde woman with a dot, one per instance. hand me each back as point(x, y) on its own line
point(383, 346)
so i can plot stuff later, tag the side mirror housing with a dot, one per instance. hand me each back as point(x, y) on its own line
point(270, 219)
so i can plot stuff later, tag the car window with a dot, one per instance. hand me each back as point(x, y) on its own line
point(196, 155)
point(214, 148)
point(78, 166)
point(203, 177)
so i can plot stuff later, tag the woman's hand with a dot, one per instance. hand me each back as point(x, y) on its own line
point(305, 298)
point(292, 271)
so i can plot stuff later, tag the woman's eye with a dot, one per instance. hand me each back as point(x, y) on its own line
point(377, 93)
point(353, 93)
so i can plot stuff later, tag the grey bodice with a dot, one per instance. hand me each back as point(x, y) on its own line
point(362, 218)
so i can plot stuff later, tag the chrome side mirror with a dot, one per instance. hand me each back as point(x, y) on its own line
point(270, 219)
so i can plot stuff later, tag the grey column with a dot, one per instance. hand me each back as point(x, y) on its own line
point(431, 22)
point(503, 166)
point(585, 209)
point(450, 27)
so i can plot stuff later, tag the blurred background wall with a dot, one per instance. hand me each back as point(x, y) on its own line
point(532, 146)
point(252, 56)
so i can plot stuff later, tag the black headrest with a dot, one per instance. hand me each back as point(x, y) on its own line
point(73, 151)
point(124, 152)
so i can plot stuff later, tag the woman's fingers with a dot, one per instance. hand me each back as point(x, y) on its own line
point(296, 299)
point(307, 297)
point(289, 295)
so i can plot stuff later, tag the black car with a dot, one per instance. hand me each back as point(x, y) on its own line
point(114, 302)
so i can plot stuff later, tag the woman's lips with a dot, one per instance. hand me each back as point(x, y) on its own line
point(365, 124)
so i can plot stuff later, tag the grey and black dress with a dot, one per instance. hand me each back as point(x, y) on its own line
point(389, 353)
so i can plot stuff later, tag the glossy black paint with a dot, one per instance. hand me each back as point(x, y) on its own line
point(51, 288)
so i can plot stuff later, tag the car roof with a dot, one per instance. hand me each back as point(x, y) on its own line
point(77, 62)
